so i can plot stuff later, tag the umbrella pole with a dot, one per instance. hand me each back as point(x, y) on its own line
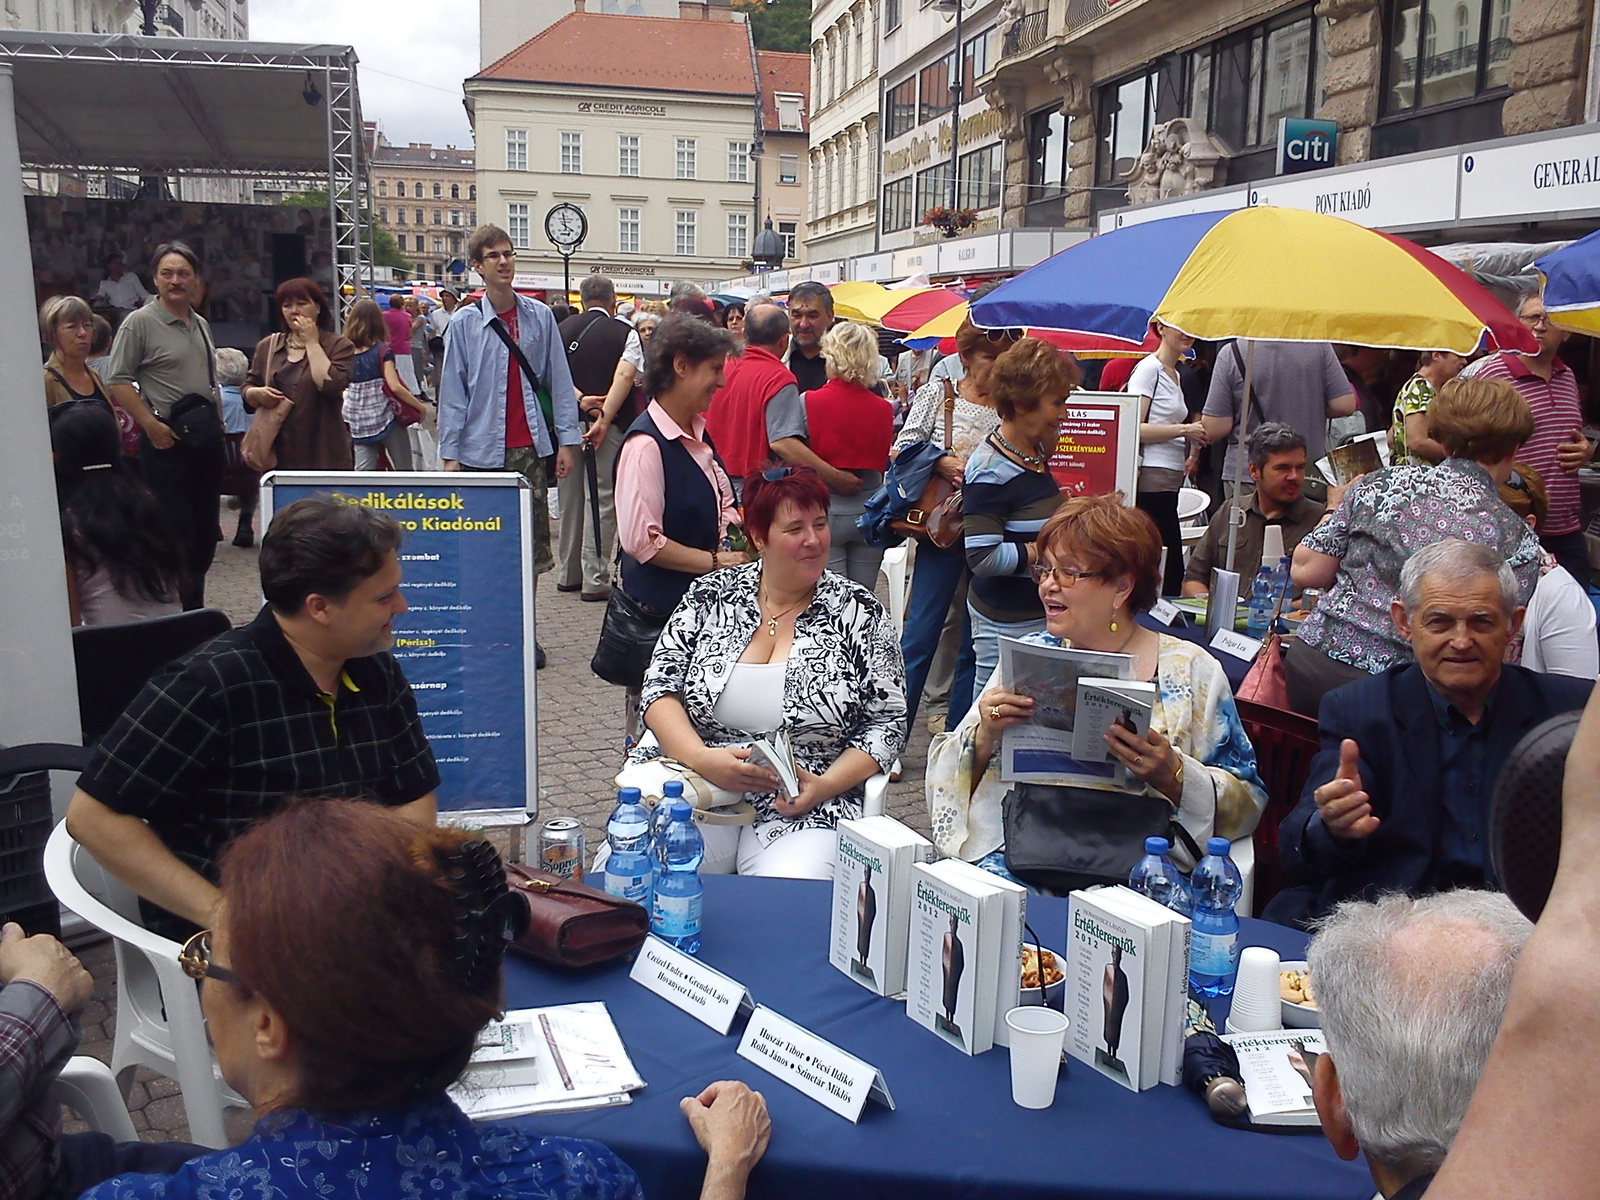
point(1244, 429)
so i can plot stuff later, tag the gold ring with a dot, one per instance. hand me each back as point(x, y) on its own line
point(1138, 760)
point(994, 713)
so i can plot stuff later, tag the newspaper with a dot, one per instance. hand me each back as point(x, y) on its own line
point(577, 1062)
point(1040, 751)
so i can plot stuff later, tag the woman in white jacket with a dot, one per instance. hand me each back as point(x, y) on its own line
point(1558, 630)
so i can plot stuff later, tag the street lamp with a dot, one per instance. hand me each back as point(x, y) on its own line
point(955, 6)
point(768, 249)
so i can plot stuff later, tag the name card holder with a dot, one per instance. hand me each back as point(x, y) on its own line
point(838, 1081)
point(1165, 611)
point(685, 982)
point(1230, 641)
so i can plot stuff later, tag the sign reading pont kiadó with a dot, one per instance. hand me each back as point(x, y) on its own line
point(466, 639)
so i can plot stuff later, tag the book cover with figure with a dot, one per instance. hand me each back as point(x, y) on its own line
point(872, 901)
point(1116, 993)
point(954, 956)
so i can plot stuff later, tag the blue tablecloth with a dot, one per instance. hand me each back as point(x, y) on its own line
point(1186, 627)
point(955, 1132)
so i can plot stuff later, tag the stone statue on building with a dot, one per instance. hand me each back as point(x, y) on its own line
point(1180, 159)
point(1011, 12)
point(1008, 103)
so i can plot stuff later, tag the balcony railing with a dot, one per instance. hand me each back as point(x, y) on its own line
point(1027, 34)
point(1083, 12)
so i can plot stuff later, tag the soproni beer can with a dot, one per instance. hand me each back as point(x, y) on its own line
point(561, 848)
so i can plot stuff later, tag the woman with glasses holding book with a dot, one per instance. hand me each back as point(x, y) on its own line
point(355, 960)
point(1098, 567)
point(779, 646)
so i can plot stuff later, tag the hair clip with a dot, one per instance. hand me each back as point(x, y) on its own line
point(488, 917)
point(97, 467)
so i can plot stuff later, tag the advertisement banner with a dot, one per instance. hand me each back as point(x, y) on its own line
point(1097, 451)
point(466, 641)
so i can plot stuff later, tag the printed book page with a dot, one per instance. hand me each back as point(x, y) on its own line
point(580, 1063)
point(1040, 751)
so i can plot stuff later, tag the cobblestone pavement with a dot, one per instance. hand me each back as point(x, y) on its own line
point(580, 752)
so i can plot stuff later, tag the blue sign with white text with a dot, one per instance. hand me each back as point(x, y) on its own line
point(466, 639)
point(1306, 145)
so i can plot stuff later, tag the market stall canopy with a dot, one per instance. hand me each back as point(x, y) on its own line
point(154, 105)
point(1571, 279)
point(1263, 272)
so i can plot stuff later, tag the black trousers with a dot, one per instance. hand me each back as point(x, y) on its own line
point(1163, 510)
point(91, 1158)
point(189, 488)
point(1572, 552)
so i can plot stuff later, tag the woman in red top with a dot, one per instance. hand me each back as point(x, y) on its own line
point(850, 427)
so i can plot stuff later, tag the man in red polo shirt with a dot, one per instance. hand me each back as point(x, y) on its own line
point(1558, 448)
point(760, 395)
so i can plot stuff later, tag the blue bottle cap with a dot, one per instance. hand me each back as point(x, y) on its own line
point(672, 789)
point(1219, 846)
point(628, 796)
point(681, 810)
point(1156, 845)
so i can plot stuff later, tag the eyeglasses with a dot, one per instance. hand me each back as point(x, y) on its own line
point(1534, 320)
point(1062, 577)
point(195, 959)
point(1516, 482)
point(492, 256)
point(1001, 337)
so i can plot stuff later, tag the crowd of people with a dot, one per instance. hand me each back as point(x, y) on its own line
point(710, 463)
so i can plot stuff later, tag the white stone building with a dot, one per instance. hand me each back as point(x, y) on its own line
point(843, 196)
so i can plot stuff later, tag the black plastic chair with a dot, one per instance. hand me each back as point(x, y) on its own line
point(115, 661)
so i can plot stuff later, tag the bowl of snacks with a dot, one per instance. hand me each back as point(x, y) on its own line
point(1055, 975)
point(1299, 999)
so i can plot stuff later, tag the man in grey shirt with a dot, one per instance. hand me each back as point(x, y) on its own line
point(1299, 384)
point(164, 352)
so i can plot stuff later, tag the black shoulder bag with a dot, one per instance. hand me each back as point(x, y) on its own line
point(1064, 838)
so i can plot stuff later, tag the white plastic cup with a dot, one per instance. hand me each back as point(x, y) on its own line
point(1037, 1035)
point(1256, 997)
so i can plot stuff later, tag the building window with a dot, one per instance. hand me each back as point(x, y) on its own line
point(400, 216)
point(1444, 50)
point(627, 154)
point(438, 245)
point(900, 109)
point(472, 217)
point(417, 189)
point(1047, 155)
point(980, 175)
point(455, 216)
point(438, 216)
point(738, 162)
point(686, 159)
point(853, 183)
point(517, 225)
point(383, 216)
point(627, 231)
point(897, 205)
point(738, 235)
point(400, 188)
point(383, 187)
point(472, 194)
point(516, 151)
point(791, 108)
point(420, 246)
point(455, 243)
point(935, 89)
point(977, 57)
point(788, 233)
point(418, 216)
point(455, 191)
point(687, 242)
point(572, 154)
point(421, 271)
point(438, 190)
point(891, 15)
point(933, 188)
point(788, 168)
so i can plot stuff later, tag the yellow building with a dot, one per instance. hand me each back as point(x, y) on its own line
point(427, 197)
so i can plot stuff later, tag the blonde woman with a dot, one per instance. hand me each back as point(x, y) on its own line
point(848, 429)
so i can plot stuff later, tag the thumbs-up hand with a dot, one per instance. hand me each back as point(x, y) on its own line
point(1343, 803)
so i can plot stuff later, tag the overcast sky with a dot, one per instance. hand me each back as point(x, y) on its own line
point(414, 55)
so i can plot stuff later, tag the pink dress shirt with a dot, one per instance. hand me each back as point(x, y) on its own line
point(640, 491)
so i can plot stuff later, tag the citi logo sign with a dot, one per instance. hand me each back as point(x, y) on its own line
point(1305, 145)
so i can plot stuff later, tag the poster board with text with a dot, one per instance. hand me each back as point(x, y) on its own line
point(466, 641)
point(1097, 451)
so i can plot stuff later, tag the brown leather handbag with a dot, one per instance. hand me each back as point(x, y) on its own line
point(570, 925)
point(936, 515)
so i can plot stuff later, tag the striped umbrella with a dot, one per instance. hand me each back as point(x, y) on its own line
point(1572, 285)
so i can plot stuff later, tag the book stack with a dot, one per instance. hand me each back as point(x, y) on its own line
point(1103, 703)
point(1275, 1069)
point(872, 901)
point(1127, 986)
point(957, 946)
point(1013, 930)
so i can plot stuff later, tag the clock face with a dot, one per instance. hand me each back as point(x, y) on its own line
point(565, 225)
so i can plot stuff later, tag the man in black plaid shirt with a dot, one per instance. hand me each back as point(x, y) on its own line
point(306, 700)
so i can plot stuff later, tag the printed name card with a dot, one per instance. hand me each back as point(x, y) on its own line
point(684, 981)
point(1230, 641)
point(1165, 611)
point(836, 1080)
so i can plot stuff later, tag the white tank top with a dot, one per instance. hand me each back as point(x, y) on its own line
point(753, 699)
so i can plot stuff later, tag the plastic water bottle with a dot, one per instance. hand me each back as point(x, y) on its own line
point(1281, 583)
point(676, 916)
point(630, 871)
point(1214, 939)
point(671, 793)
point(1262, 603)
point(1159, 878)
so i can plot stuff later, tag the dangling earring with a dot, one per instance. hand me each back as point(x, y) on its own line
point(1113, 626)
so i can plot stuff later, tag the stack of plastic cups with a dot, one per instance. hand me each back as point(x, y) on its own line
point(1257, 1006)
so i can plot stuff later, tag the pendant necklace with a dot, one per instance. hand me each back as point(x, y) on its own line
point(772, 619)
point(1034, 462)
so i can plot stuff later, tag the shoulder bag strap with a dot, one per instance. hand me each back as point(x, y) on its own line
point(504, 334)
point(949, 412)
point(1238, 365)
point(211, 356)
point(572, 346)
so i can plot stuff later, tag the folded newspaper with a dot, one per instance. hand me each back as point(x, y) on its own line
point(1041, 751)
point(559, 1059)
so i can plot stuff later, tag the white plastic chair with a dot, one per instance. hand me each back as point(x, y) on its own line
point(1243, 853)
point(159, 1024)
point(87, 1086)
point(876, 800)
point(896, 569)
point(1192, 505)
